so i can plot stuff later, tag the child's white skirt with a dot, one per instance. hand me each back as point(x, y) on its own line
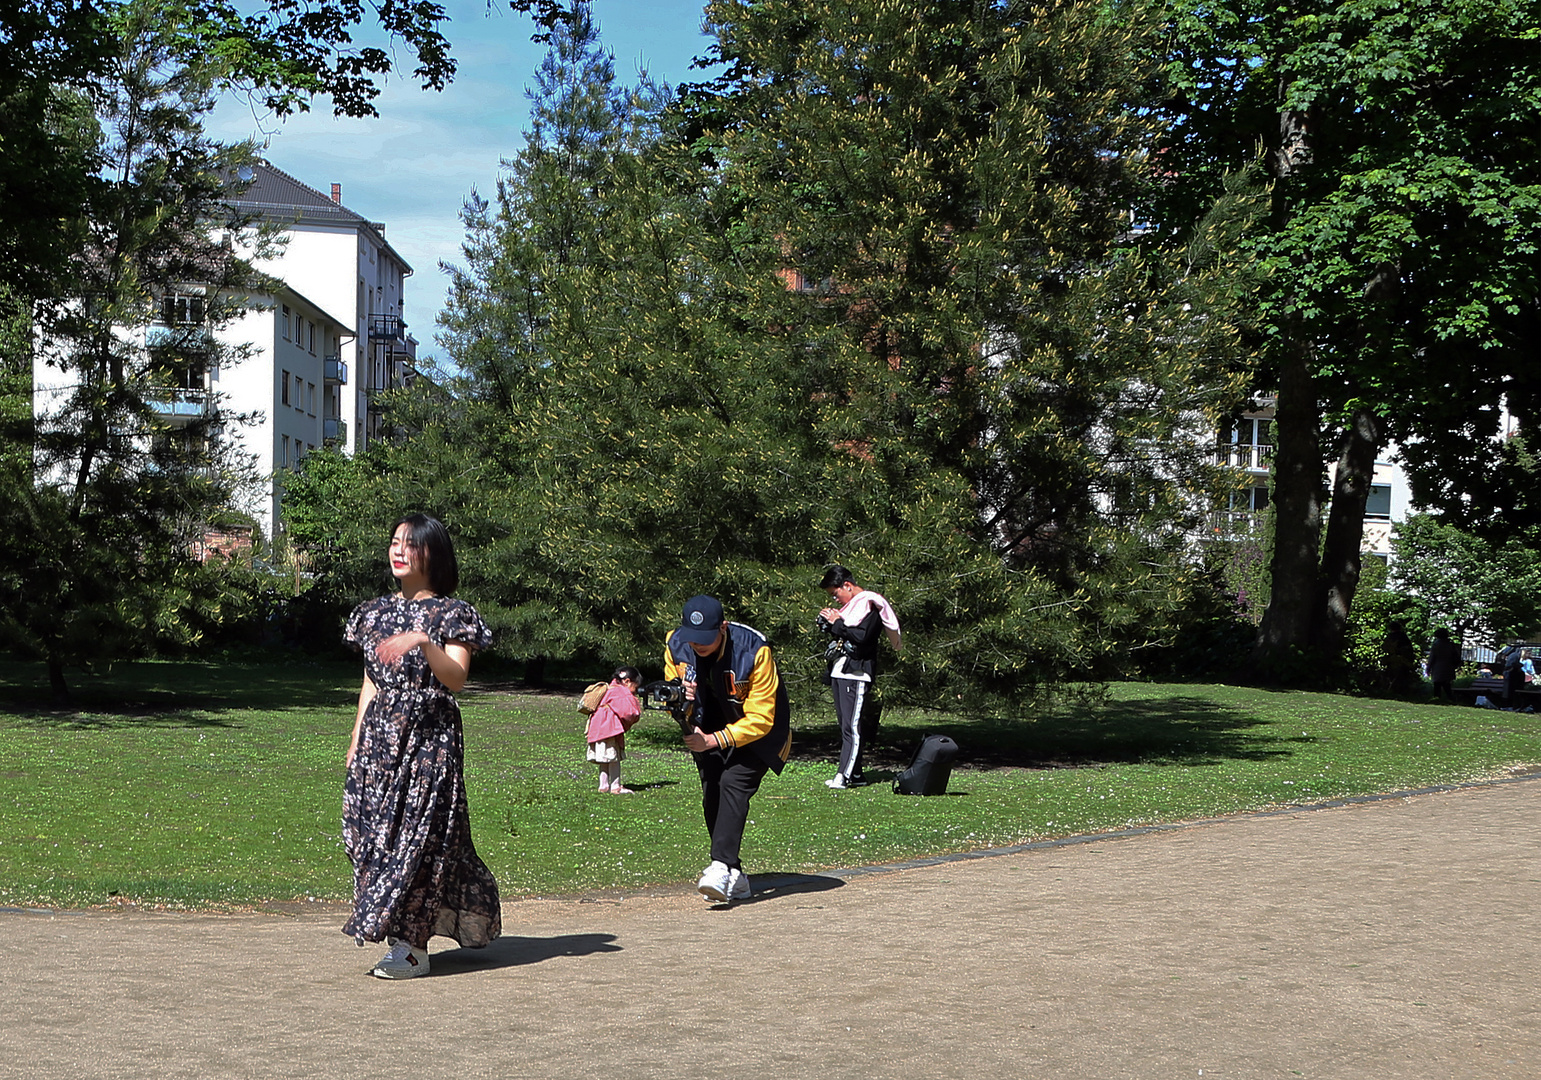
point(607, 750)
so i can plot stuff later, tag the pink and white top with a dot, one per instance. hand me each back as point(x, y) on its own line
point(618, 710)
point(858, 606)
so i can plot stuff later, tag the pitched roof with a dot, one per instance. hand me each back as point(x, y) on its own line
point(276, 196)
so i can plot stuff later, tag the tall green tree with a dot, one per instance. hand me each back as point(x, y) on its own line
point(108, 513)
point(475, 445)
point(1401, 142)
point(1006, 383)
point(876, 297)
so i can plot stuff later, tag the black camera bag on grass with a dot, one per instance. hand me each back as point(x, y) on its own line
point(930, 769)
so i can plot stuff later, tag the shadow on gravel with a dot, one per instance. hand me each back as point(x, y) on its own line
point(518, 951)
point(775, 886)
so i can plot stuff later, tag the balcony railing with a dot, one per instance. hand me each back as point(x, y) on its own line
point(1245, 455)
point(177, 406)
point(386, 328)
point(336, 371)
point(1234, 524)
point(331, 430)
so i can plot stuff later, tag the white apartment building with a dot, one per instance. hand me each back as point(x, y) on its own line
point(313, 356)
point(1248, 447)
point(290, 387)
point(342, 262)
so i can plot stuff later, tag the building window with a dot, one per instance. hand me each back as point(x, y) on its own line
point(1378, 505)
point(283, 460)
point(311, 344)
point(285, 322)
point(283, 387)
point(182, 309)
point(1250, 500)
point(1247, 444)
point(310, 398)
point(299, 393)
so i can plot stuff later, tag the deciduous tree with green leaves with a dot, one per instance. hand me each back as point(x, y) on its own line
point(1485, 592)
point(1403, 145)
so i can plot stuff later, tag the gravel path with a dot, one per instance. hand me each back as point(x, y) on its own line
point(1385, 939)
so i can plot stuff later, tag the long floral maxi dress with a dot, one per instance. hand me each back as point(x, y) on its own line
point(405, 824)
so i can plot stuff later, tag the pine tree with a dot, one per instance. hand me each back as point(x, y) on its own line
point(873, 297)
point(1009, 384)
point(109, 513)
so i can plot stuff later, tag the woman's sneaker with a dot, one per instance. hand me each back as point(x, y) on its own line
point(738, 885)
point(402, 962)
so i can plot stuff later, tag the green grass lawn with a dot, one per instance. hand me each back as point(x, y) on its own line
point(199, 784)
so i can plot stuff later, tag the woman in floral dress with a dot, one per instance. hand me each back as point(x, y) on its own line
point(404, 819)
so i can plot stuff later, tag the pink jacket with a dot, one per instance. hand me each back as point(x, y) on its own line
point(618, 710)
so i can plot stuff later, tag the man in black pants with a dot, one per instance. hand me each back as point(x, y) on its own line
point(855, 627)
point(740, 726)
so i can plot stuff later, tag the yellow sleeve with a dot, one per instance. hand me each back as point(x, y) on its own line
point(759, 705)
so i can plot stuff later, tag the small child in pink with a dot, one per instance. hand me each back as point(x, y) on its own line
point(618, 710)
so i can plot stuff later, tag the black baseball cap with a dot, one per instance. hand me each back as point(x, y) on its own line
point(700, 620)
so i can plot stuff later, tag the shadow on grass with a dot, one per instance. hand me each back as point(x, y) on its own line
point(508, 952)
point(175, 693)
point(1178, 729)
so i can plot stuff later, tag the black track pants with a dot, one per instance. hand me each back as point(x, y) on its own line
point(727, 782)
point(853, 707)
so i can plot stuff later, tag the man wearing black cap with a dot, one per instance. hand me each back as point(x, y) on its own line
point(740, 727)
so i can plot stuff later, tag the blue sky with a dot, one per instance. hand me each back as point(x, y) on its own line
point(413, 166)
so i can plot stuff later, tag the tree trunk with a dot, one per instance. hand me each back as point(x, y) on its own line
point(1345, 531)
point(56, 683)
point(1297, 502)
point(535, 671)
point(1297, 460)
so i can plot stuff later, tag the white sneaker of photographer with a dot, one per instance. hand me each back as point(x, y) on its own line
point(402, 962)
point(738, 885)
point(715, 882)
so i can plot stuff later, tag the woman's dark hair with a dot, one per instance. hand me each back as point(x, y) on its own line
point(835, 577)
point(627, 673)
point(430, 539)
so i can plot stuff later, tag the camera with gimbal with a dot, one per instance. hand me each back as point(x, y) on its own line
point(667, 695)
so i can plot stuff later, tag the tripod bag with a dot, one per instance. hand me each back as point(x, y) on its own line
point(928, 772)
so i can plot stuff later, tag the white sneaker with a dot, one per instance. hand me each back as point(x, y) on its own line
point(836, 781)
point(402, 962)
point(738, 885)
point(715, 882)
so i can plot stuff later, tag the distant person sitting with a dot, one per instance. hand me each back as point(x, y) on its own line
point(1443, 662)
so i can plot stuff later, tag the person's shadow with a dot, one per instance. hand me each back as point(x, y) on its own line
point(775, 886)
point(518, 951)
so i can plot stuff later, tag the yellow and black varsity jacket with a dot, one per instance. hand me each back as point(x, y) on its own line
point(746, 706)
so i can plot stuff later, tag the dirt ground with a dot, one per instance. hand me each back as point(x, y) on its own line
point(1386, 939)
